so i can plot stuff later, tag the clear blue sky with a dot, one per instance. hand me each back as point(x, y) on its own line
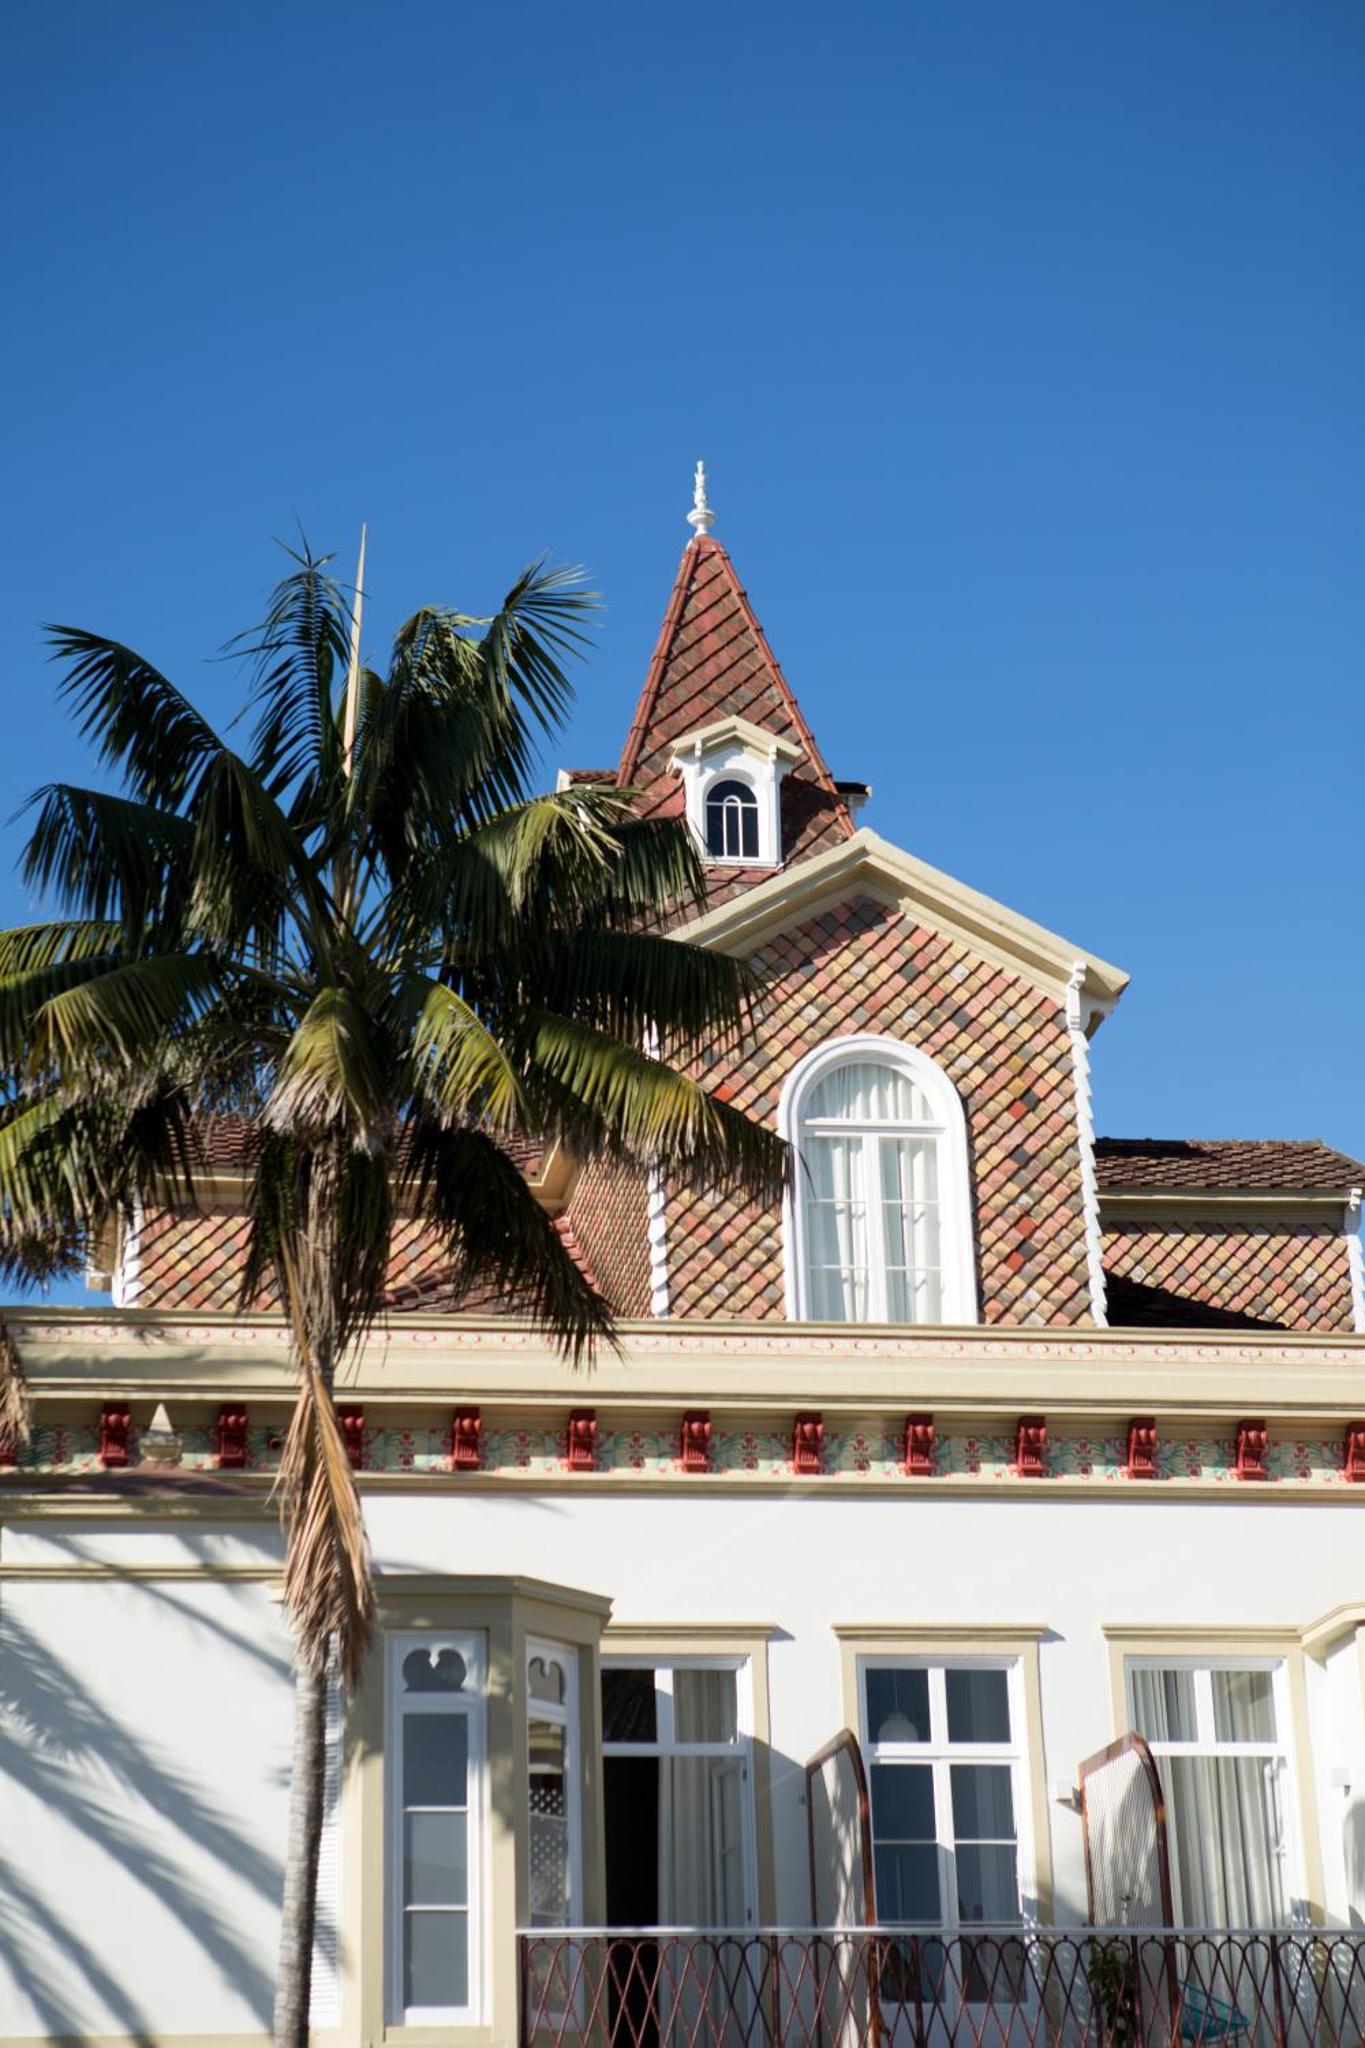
point(1024, 341)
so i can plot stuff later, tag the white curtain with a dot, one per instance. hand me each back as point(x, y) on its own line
point(910, 1216)
point(837, 1209)
point(865, 1092)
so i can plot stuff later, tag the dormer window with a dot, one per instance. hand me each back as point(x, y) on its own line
point(732, 775)
point(731, 821)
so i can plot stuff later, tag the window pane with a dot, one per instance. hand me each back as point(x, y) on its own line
point(907, 1883)
point(1244, 1706)
point(1163, 1705)
point(435, 1959)
point(903, 1802)
point(705, 1706)
point(628, 1709)
point(983, 1803)
point(898, 1705)
point(1224, 1817)
point(978, 1706)
point(435, 1759)
point(435, 1859)
point(987, 1884)
point(549, 1861)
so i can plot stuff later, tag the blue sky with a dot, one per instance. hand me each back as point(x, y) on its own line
point(1025, 344)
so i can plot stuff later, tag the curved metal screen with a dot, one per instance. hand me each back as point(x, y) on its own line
point(1123, 1817)
point(840, 1835)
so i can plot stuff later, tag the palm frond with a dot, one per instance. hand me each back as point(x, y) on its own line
point(639, 986)
point(298, 654)
point(332, 1075)
point(603, 1095)
point(138, 721)
point(498, 1235)
point(250, 869)
point(126, 1013)
point(108, 857)
point(16, 1403)
point(327, 1588)
point(459, 1064)
point(29, 946)
point(23, 995)
point(542, 620)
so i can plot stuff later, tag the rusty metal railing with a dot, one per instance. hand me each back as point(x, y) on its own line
point(1009, 1987)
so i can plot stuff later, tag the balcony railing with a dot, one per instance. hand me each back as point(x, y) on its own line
point(892, 1988)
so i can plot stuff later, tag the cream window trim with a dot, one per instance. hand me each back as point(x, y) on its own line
point(1197, 1643)
point(957, 1245)
point(741, 1647)
point(562, 1714)
point(989, 1643)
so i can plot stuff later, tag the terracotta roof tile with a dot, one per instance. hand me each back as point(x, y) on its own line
point(1224, 1165)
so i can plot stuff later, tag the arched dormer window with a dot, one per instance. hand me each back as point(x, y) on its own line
point(731, 820)
point(878, 1226)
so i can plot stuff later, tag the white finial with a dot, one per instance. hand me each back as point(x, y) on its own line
point(701, 518)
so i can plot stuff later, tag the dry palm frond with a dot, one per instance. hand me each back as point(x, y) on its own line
point(16, 1406)
point(327, 1566)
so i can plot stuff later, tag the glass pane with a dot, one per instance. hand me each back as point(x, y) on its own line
point(435, 1759)
point(983, 1803)
point(701, 1842)
point(906, 1881)
point(628, 1710)
point(987, 1884)
point(435, 1859)
point(548, 1801)
point(865, 1092)
point(545, 1679)
point(1163, 1705)
point(1244, 1706)
point(435, 1959)
point(433, 1670)
point(903, 1802)
point(898, 1705)
point(705, 1706)
point(978, 1706)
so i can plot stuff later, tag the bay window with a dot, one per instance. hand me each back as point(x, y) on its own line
point(436, 1815)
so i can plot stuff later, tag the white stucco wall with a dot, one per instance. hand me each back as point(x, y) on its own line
point(144, 1724)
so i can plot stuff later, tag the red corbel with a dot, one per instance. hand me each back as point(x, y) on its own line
point(580, 1444)
point(1353, 1459)
point(694, 1446)
point(808, 1443)
point(919, 1446)
point(1142, 1447)
point(1251, 1443)
point(231, 1431)
point(352, 1422)
point(466, 1440)
point(1030, 1447)
point(115, 1427)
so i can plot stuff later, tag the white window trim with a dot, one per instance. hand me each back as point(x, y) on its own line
point(666, 1744)
point(957, 1246)
point(563, 1714)
point(763, 770)
point(472, 1700)
point(1206, 1744)
point(940, 1755)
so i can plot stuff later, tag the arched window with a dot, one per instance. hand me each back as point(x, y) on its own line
point(879, 1223)
point(731, 821)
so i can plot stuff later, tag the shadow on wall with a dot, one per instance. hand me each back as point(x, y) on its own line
point(1353, 1847)
point(63, 1748)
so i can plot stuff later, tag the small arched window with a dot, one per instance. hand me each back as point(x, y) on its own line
point(879, 1224)
point(731, 821)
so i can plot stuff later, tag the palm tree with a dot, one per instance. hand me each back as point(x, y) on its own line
point(365, 935)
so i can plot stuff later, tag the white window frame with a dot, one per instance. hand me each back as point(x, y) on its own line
point(1207, 1744)
point(472, 1701)
point(957, 1244)
point(747, 802)
point(561, 1714)
point(939, 1755)
point(734, 751)
point(666, 1744)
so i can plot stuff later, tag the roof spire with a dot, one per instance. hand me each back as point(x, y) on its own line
point(701, 518)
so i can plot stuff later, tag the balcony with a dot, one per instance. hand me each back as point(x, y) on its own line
point(1009, 1987)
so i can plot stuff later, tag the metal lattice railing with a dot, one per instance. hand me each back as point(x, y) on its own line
point(893, 1988)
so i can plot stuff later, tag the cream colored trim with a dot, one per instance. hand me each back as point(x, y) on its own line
point(667, 1640)
point(1015, 1640)
point(767, 745)
point(871, 863)
point(1215, 1640)
point(1174, 1206)
point(656, 1233)
point(411, 1589)
point(1355, 1257)
point(155, 1574)
point(1318, 1636)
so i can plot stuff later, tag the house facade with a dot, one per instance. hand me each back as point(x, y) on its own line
point(999, 1441)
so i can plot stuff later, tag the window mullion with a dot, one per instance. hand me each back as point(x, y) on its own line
point(874, 1225)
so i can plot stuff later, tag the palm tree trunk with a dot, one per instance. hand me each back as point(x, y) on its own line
point(298, 1911)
